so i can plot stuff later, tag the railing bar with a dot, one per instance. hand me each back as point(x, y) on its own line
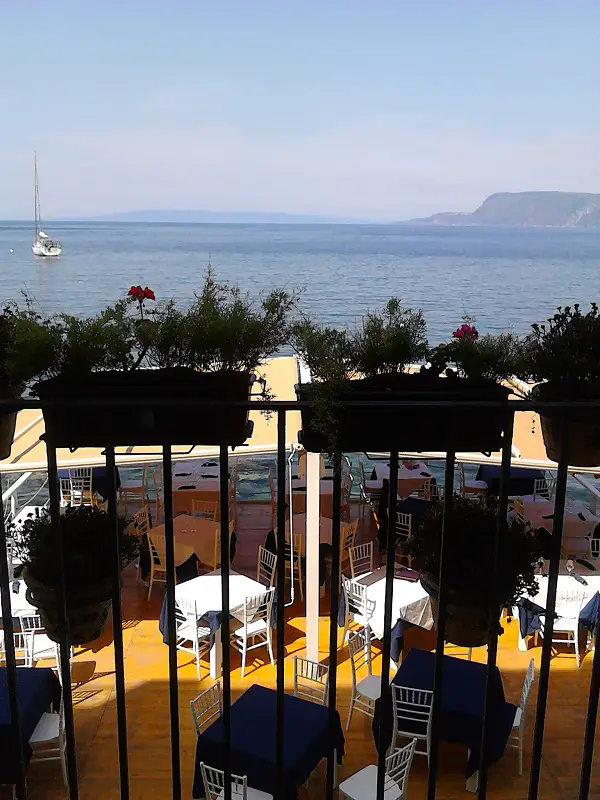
point(333, 615)
point(441, 628)
point(11, 661)
point(590, 722)
point(171, 624)
point(492, 610)
point(117, 618)
point(225, 627)
point(544, 675)
point(387, 614)
point(280, 649)
point(65, 649)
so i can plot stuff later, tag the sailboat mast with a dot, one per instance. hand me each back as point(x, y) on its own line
point(36, 198)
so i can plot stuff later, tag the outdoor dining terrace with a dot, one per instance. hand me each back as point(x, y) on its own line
point(280, 714)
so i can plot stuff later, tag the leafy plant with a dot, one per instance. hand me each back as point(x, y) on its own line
point(566, 349)
point(470, 532)
point(27, 343)
point(88, 546)
point(469, 355)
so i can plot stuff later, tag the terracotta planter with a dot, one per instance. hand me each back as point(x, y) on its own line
point(88, 608)
point(467, 614)
point(124, 423)
point(583, 434)
point(8, 420)
point(412, 428)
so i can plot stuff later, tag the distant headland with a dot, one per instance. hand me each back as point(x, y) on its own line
point(526, 209)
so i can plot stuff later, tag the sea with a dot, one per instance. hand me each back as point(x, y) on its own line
point(504, 279)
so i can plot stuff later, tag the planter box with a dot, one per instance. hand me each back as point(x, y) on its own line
point(124, 423)
point(467, 614)
point(411, 428)
point(583, 435)
point(8, 420)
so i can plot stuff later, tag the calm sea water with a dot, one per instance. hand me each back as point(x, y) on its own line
point(506, 279)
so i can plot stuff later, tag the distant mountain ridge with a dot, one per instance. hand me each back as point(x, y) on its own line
point(190, 216)
point(526, 209)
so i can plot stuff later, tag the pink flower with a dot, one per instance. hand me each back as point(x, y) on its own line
point(466, 332)
point(149, 294)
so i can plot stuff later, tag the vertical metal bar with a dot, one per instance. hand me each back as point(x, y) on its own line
point(280, 650)
point(387, 623)
point(171, 633)
point(441, 629)
point(333, 615)
point(225, 628)
point(557, 531)
point(65, 649)
point(11, 661)
point(590, 723)
point(493, 608)
point(111, 469)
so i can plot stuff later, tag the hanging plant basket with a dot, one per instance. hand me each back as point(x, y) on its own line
point(467, 614)
point(583, 425)
point(413, 428)
point(8, 420)
point(125, 423)
point(88, 608)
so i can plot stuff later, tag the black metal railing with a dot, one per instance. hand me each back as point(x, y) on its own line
point(280, 409)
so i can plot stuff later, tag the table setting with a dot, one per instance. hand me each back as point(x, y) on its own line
point(411, 476)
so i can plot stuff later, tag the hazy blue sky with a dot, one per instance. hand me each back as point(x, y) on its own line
point(376, 109)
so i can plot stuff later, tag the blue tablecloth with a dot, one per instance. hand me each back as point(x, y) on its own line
point(522, 479)
point(530, 615)
point(38, 689)
point(99, 479)
point(462, 701)
point(253, 741)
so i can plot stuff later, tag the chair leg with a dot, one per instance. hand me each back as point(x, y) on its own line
point(300, 582)
point(150, 582)
point(244, 656)
point(350, 711)
point(270, 646)
point(197, 654)
point(576, 640)
point(521, 751)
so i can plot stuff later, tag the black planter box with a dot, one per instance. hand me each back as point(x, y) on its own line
point(125, 423)
point(411, 428)
point(8, 420)
point(581, 425)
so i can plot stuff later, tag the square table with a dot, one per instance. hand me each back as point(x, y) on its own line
point(186, 489)
point(38, 689)
point(522, 479)
point(462, 701)
point(192, 535)
point(410, 479)
point(205, 591)
point(410, 604)
point(579, 522)
point(253, 741)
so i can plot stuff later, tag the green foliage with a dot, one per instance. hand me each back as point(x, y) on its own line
point(492, 356)
point(88, 546)
point(566, 350)
point(27, 343)
point(470, 532)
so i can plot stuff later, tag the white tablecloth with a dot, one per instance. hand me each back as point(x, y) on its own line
point(575, 529)
point(19, 604)
point(410, 602)
point(205, 590)
point(409, 480)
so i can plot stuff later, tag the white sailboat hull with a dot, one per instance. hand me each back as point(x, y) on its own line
point(46, 249)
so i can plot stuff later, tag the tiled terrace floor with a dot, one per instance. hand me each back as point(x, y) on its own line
point(146, 675)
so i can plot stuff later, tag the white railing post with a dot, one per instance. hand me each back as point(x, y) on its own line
point(313, 466)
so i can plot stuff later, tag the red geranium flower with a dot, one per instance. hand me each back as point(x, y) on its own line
point(466, 332)
point(149, 294)
point(137, 292)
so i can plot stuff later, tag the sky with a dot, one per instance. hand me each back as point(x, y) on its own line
point(369, 109)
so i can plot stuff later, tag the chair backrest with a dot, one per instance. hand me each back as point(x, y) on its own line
point(81, 485)
point(519, 507)
point(158, 546)
point(349, 532)
point(397, 768)
point(356, 598)
point(359, 647)
point(208, 509)
point(265, 571)
point(527, 684)
point(21, 647)
point(32, 623)
point(187, 607)
point(141, 521)
point(214, 784)
point(461, 476)
point(258, 608)
point(412, 712)
point(65, 490)
point(361, 559)
point(311, 680)
point(541, 488)
point(157, 480)
point(403, 524)
point(427, 490)
point(207, 707)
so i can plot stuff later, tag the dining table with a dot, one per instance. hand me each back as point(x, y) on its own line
point(298, 500)
point(193, 535)
point(309, 732)
point(205, 592)
point(412, 475)
point(580, 523)
point(410, 605)
point(462, 701)
point(38, 690)
point(521, 479)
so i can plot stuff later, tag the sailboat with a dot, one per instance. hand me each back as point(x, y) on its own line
point(42, 245)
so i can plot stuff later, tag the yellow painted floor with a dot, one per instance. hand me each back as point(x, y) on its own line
point(146, 673)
